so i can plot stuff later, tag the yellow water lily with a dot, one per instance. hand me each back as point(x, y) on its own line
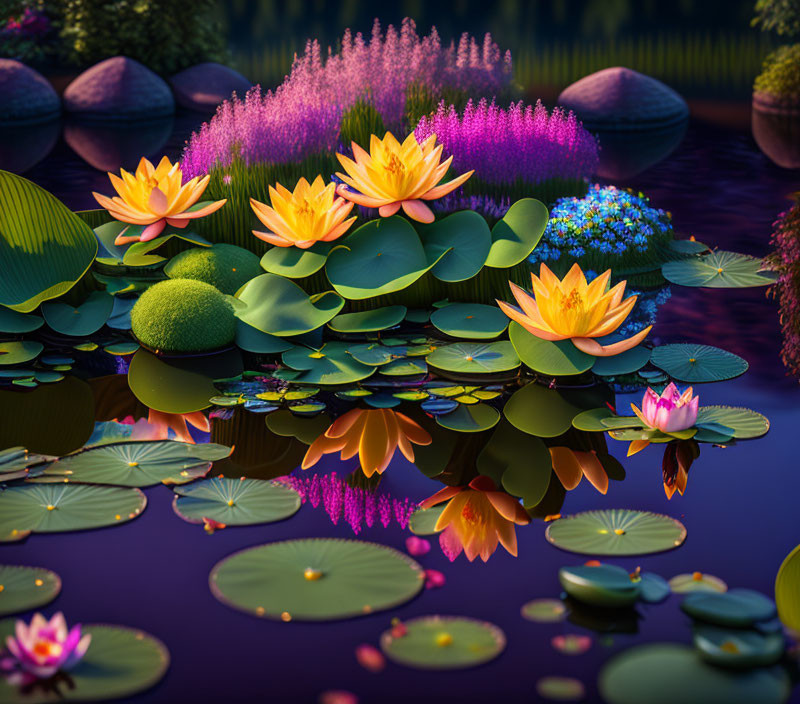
point(395, 175)
point(310, 214)
point(571, 309)
point(155, 197)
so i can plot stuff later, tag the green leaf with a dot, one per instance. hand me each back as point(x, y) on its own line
point(787, 587)
point(719, 269)
point(539, 411)
point(138, 253)
point(26, 588)
point(368, 320)
point(473, 321)
point(331, 364)
point(306, 430)
point(474, 357)
point(19, 352)
point(462, 240)
point(592, 420)
point(470, 419)
point(404, 367)
point(44, 247)
point(743, 422)
point(82, 321)
point(517, 234)
point(698, 363)
point(554, 358)
point(627, 362)
point(294, 262)
point(18, 323)
point(423, 520)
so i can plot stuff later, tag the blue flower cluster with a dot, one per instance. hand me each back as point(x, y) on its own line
point(607, 221)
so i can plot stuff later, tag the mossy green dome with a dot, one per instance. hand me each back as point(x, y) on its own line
point(223, 265)
point(781, 74)
point(183, 315)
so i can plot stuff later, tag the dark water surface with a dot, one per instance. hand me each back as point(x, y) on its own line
point(740, 508)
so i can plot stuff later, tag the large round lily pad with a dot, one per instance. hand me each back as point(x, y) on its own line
point(472, 321)
point(462, 240)
point(120, 662)
point(235, 502)
point(698, 363)
point(517, 234)
point(787, 587)
point(443, 643)
point(540, 411)
point(616, 532)
point(741, 422)
point(719, 269)
point(316, 579)
point(560, 358)
point(24, 588)
point(331, 364)
point(17, 323)
point(473, 418)
point(19, 351)
point(737, 608)
point(474, 357)
point(369, 320)
point(59, 507)
point(82, 320)
point(736, 647)
point(665, 673)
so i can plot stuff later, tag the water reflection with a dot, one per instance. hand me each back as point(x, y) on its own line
point(24, 146)
point(778, 136)
point(625, 154)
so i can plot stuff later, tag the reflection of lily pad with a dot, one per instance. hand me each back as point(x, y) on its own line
point(17, 323)
point(443, 643)
point(608, 586)
point(84, 320)
point(473, 321)
point(616, 532)
point(25, 588)
point(306, 430)
point(423, 520)
point(251, 339)
point(554, 358)
point(787, 586)
point(331, 364)
point(738, 608)
point(19, 352)
point(368, 321)
point(743, 422)
point(698, 363)
point(538, 410)
point(737, 648)
point(475, 357)
point(295, 263)
point(463, 238)
point(470, 419)
point(719, 270)
point(517, 234)
point(316, 579)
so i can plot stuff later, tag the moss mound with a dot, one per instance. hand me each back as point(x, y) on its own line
point(183, 315)
point(781, 74)
point(224, 266)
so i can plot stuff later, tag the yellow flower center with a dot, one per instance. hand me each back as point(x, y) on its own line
point(470, 515)
point(303, 208)
point(46, 649)
point(573, 301)
point(394, 165)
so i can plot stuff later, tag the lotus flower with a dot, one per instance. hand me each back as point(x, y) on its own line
point(670, 412)
point(571, 309)
point(477, 517)
point(395, 175)
point(309, 215)
point(155, 197)
point(40, 650)
point(372, 434)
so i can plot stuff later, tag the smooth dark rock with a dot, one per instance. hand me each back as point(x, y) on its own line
point(26, 96)
point(204, 86)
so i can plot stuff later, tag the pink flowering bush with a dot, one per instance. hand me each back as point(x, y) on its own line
point(786, 260)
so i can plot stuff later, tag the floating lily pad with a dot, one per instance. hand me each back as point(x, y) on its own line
point(19, 352)
point(24, 588)
point(737, 648)
point(26, 508)
point(698, 363)
point(608, 586)
point(544, 610)
point(742, 422)
point(689, 246)
point(665, 673)
point(653, 588)
point(121, 349)
point(787, 587)
point(625, 363)
point(82, 321)
point(517, 234)
point(696, 582)
point(375, 354)
point(470, 419)
point(561, 689)
point(251, 339)
point(554, 358)
point(439, 406)
point(540, 411)
point(278, 306)
point(475, 357)
point(738, 608)
point(616, 532)
point(462, 240)
point(473, 321)
point(236, 502)
point(119, 663)
point(17, 323)
point(719, 269)
point(331, 364)
point(404, 367)
point(444, 643)
point(423, 520)
point(138, 253)
point(592, 420)
point(142, 463)
point(294, 262)
point(316, 579)
point(120, 318)
point(369, 320)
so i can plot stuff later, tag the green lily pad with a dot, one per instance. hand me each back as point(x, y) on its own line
point(82, 321)
point(423, 520)
point(44, 247)
point(460, 241)
point(306, 430)
point(737, 608)
point(696, 582)
point(24, 508)
point(443, 643)
point(688, 246)
point(15, 461)
point(608, 586)
point(653, 588)
point(540, 411)
point(349, 578)
point(138, 253)
point(19, 352)
point(544, 610)
point(369, 320)
point(294, 262)
point(473, 321)
point(737, 648)
point(278, 306)
point(560, 358)
point(121, 349)
point(561, 689)
point(470, 419)
point(375, 354)
point(404, 367)
point(120, 662)
point(592, 420)
point(253, 340)
point(235, 502)
point(331, 364)
point(698, 363)
point(16, 323)
point(25, 588)
point(627, 362)
point(380, 257)
point(719, 269)
point(475, 357)
point(616, 532)
point(665, 673)
point(517, 234)
point(141, 463)
point(742, 422)
point(787, 586)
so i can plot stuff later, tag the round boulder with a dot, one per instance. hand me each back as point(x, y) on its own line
point(26, 96)
point(119, 88)
point(621, 99)
point(204, 86)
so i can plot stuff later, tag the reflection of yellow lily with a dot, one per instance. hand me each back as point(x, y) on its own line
point(159, 424)
point(571, 466)
point(476, 518)
point(309, 215)
point(156, 197)
point(571, 309)
point(373, 434)
point(394, 175)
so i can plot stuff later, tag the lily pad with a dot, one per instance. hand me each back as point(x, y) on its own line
point(737, 648)
point(473, 321)
point(561, 689)
point(404, 367)
point(607, 586)
point(423, 520)
point(462, 240)
point(698, 363)
point(17, 323)
point(331, 364)
point(138, 253)
point(82, 321)
point(544, 610)
point(278, 306)
point(251, 339)
point(26, 508)
point(517, 234)
point(592, 420)
point(25, 588)
point(316, 579)
point(375, 354)
point(742, 422)
point(475, 357)
point(738, 608)
point(19, 352)
point(235, 502)
point(540, 411)
point(616, 532)
point(696, 582)
point(306, 430)
point(443, 643)
point(787, 586)
point(369, 320)
point(470, 419)
point(653, 588)
point(625, 363)
point(560, 358)
point(719, 269)
point(121, 349)
point(295, 263)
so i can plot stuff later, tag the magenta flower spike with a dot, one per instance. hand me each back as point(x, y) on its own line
point(670, 412)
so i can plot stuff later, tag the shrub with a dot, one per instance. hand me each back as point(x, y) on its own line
point(781, 73)
point(182, 315)
point(780, 16)
point(27, 32)
point(224, 266)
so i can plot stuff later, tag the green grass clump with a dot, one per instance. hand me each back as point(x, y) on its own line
point(183, 315)
point(781, 74)
point(224, 266)
point(359, 123)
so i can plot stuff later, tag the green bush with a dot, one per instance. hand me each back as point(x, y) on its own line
point(182, 315)
point(781, 73)
point(224, 266)
point(780, 16)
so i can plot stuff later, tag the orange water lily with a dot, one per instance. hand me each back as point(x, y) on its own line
point(476, 518)
point(572, 309)
point(310, 214)
point(394, 175)
point(571, 466)
point(155, 197)
point(158, 425)
point(373, 434)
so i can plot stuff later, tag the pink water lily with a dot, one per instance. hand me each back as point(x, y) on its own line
point(670, 412)
point(39, 650)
